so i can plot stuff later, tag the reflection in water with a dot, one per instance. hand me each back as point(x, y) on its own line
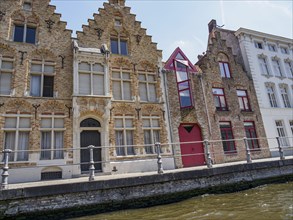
point(269, 202)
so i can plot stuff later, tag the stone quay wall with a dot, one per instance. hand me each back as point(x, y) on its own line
point(74, 199)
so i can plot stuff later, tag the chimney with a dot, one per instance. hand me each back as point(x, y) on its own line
point(212, 24)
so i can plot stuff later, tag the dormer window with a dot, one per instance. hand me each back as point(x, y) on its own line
point(27, 6)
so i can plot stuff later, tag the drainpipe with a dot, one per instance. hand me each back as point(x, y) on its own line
point(205, 102)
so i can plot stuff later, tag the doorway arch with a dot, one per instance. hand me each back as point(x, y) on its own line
point(90, 135)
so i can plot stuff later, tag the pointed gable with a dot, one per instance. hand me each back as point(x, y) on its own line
point(180, 57)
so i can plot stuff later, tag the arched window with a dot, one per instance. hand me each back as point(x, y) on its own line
point(90, 123)
point(224, 65)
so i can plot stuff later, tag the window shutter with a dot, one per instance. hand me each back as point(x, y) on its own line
point(5, 83)
point(84, 84)
point(98, 84)
point(48, 86)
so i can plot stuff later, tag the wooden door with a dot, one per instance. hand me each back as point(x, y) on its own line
point(195, 151)
point(90, 138)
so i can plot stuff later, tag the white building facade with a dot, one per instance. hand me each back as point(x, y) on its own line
point(269, 60)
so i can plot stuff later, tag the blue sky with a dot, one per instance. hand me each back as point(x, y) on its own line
point(183, 23)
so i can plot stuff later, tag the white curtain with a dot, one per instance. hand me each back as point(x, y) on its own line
point(148, 142)
point(58, 139)
point(119, 142)
point(129, 140)
point(117, 90)
point(23, 141)
point(35, 85)
point(46, 145)
point(126, 91)
point(143, 91)
point(5, 83)
point(84, 84)
point(10, 143)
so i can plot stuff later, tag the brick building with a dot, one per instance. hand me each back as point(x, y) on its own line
point(35, 89)
point(57, 94)
point(213, 100)
point(125, 112)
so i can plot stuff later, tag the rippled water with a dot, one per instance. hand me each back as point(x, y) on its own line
point(269, 202)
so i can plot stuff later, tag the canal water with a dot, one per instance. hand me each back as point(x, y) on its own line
point(268, 202)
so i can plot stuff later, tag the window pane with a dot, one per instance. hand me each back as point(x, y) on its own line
point(36, 68)
point(84, 84)
point(241, 93)
point(24, 122)
point(151, 78)
point(181, 76)
point(152, 93)
point(46, 145)
point(23, 142)
point(128, 123)
point(98, 84)
point(116, 75)
point(98, 68)
point(183, 85)
point(84, 66)
point(129, 142)
point(58, 145)
point(118, 123)
point(5, 83)
point(123, 47)
point(114, 46)
point(7, 65)
point(142, 77)
point(227, 70)
point(18, 33)
point(117, 90)
point(31, 35)
point(119, 142)
point(46, 123)
point(35, 85)
point(185, 99)
point(155, 123)
point(10, 123)
point(48, 87)
point(222, 71)
point(126, 91)
point(146, 123)
point(148, 142)
point(218, 91)
point(58, 123)
point(143, 91)
point(49, 69)
point(125, 75)
point(10, 143)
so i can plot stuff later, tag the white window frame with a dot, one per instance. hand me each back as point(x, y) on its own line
point(14, 155)
point(282, 134)
point(285, 97)
point(124, 129)
point(121, 80)
point(291, 126)
point(91, 72)
point(152, 129)
point(52, 129)
point(289, 68)
point(272, 96)
point(264, 67)
point(277, 68)
point(147, 82)
point(6, 71)
point(42, 74)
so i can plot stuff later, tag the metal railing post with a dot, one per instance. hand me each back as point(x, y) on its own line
point(208, 154)
point(248, 156)
point(5, 174)
point(160, 165)
point(281, 152)
point(92, 164)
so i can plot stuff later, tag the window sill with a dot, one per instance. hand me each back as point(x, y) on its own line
point(130, 101)
point(267, 76)
point(247, 112)
point(92, 96)
point(224, 111)
point(231, 153)
point(281, 77)
point(35, 44)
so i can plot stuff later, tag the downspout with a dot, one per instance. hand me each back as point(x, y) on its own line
point(205, 102)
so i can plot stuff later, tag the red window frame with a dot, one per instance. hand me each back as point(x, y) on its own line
point(249, 131)
point(241, 99)
point(218, 96)
point(181, 83)
point(223, 70)
point(229, 147)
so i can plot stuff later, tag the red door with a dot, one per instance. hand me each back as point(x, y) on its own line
point(195, 151)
